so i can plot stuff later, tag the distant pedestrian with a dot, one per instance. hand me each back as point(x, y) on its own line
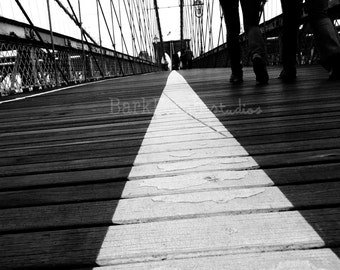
point(175, 61)
point(189, 56)
point(326, 37)
point(184, 60)
point(251, 17)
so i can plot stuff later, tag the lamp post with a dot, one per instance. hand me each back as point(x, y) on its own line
point(155, 44)
point(198, 5)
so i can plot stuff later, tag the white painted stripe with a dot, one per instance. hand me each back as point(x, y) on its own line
point(214, 160)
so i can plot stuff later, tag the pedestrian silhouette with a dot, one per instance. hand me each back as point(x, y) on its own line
point(184, 59)
point(251, 10)
point(189, 56)
point(326, 37)
point(175, 61)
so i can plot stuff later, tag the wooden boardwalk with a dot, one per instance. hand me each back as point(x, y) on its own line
point(173, 170)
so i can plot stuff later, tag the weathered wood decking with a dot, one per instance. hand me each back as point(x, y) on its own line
point(189, 173)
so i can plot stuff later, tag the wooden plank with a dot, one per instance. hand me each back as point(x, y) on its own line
point(71, 165)
point(297, 259)
point(275, 122)
point(77, 140)
point(250, 140)
point(197, 165)
point(92, 188)
point(64, 178)
point(129, 120)
point(129, 146)
point(105, 150)
point(98, 163)
point(297, 146)
point(169, 207)
point(157, 241)
point(69, 122)
point(141, 158)
point(172, 130)
point(306, 127)
point(281, 176)
point(132, 189)
point(288, 137)
point(93, 131)
point(293, 159)
point(246, 140)
point(113, 160)
point(190, 154)
point(204, 144)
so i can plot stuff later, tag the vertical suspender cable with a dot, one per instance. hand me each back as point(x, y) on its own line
point(122, 37)
point(111, 38)
point(120, 21)
point(100, 39)
point(52, 42)
point(113, 28)
point(82, 41)
point(148, 26)
point(76, 21)
point(181, 23)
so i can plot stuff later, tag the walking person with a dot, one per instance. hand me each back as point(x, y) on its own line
point(184, 60)
point(326, 37)
point(175, 61)
point(251, 16)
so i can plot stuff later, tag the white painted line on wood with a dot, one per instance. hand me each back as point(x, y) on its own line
point(212, 160)
point(318, 259)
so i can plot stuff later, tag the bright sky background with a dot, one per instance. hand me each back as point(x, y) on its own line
point(170, 18)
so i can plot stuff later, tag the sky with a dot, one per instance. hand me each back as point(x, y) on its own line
point(168, 9)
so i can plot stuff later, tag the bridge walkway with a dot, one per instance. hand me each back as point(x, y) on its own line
point(175, 170)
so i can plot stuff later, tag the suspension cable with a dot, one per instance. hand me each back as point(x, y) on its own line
point(40, 38)
point(113, 44)
point(75, 19)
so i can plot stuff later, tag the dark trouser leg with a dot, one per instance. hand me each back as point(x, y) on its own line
point(251, 11)
point(231, 16)
point(292, 11)
point(326, 36)
point(251, 17)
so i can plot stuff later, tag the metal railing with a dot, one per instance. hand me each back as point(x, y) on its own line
point(28, 63)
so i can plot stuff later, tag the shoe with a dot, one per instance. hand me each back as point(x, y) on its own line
point(236, 77)
point(260, 70)
point(288, 75)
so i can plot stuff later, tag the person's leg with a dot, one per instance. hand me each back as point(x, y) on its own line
point(231, 16)
point(326, 37)
point(251, 11)
point(292, 12)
